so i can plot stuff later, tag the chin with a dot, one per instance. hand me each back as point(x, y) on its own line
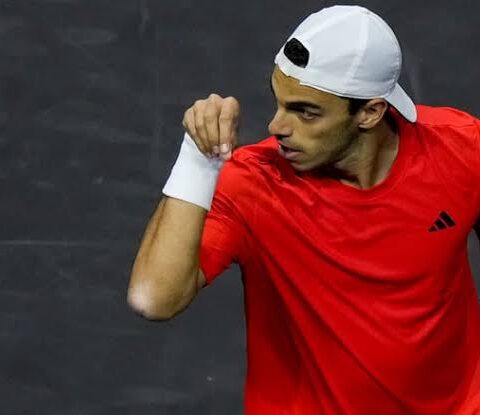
point(301, 168)
point(312, 166)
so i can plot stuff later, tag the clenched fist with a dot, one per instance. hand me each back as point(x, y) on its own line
point(213, 125)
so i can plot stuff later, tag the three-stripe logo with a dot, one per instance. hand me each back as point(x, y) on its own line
point(443, 222)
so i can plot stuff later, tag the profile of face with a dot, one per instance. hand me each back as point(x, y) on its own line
point(316, 123)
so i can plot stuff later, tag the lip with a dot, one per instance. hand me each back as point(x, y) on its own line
point(281, 143)
point(290, 155)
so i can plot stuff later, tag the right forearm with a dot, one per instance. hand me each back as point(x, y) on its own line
point(164, 275)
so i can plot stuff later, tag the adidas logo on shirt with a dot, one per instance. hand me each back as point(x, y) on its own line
point(443, 222)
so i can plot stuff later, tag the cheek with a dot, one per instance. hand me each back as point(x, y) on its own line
point(328, 140)
point(322, 141)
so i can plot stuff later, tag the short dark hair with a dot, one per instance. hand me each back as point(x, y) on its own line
point(354, 104)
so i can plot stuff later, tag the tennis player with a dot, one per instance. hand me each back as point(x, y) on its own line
point(349, 224)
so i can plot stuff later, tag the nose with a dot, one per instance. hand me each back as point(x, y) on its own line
point(279, 124)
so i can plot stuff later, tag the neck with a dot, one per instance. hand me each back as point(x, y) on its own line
point(370, 157)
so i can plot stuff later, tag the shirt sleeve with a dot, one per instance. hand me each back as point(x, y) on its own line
point(224, 229)
point(454, 143)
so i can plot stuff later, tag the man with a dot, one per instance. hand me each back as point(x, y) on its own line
point(350, 226)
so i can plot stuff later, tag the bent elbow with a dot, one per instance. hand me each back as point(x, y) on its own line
point(142, 303)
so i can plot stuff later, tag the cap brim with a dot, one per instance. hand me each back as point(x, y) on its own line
point(403, 103)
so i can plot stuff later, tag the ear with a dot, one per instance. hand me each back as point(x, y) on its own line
point(370, 114)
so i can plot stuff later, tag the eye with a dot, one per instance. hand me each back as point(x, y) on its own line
point(307, 115)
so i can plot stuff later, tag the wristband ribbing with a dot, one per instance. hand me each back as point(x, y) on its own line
point(194, 176)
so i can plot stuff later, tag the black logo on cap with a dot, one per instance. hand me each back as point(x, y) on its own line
point(296, 52)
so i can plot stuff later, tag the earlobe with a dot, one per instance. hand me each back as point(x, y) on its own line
point(367, 118)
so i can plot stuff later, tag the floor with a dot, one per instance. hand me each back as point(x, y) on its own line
point(91, 98)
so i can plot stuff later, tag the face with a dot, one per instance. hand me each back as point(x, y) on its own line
point(314, 122)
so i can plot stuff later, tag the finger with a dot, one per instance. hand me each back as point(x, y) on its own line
point(235, 120)
point(228, 122)
point(189, 125)
point(225, 121)
point(199, 115)
point(211, 121)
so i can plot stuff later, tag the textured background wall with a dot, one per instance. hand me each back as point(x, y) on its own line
point(91, 97)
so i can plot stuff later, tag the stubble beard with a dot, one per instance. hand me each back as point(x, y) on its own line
point(339, 155)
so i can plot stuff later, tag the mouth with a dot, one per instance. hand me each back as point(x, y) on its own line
point(288, 152)
point(287, 148)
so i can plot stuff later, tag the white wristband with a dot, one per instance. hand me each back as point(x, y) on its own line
point(194, 176)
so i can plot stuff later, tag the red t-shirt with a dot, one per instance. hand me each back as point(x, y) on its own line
point(357, 302)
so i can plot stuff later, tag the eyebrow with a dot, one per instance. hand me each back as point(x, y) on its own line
point(297, 105)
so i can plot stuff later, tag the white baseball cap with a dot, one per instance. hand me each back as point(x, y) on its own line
point(350, 52)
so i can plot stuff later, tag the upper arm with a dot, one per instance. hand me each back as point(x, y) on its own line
point(224, 233)
point(222, 240)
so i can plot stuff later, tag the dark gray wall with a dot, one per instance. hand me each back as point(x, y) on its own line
point(91, 97)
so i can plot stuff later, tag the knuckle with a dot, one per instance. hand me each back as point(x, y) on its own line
point(232, 100)
point(210, 112)
point(187, 115)
point(210, 116)
point(199, 103)
point(225, 118)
